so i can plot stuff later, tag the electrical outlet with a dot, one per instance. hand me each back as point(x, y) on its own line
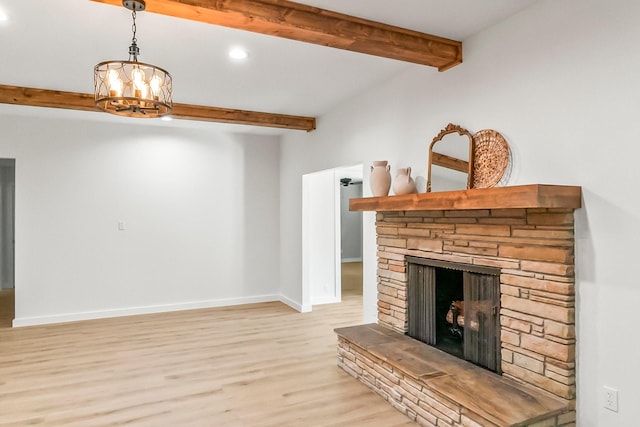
point(611, 399)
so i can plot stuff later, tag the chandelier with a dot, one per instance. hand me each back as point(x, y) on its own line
point(131, 88)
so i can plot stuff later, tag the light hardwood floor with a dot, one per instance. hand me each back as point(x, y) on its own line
point(253, 365)
point(351, 275)
point(6, 307)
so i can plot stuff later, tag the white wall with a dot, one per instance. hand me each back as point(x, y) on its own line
point(561, 82)
point(200, 210)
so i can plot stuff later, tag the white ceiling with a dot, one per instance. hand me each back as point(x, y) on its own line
point(55, 44)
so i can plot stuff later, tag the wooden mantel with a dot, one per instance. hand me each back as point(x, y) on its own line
point(520, 196)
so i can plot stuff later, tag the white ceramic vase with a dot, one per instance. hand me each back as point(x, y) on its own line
point(380, 178)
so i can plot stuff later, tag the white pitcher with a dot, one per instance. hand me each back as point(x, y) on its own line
point(404, 184)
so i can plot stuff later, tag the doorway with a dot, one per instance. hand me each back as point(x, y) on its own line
point(323, 207)
point(7, 241)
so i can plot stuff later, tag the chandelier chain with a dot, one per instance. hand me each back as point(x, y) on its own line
point(133, 27)
point(134, 51)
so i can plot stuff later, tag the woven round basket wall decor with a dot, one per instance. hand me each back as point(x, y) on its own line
point(492, 158)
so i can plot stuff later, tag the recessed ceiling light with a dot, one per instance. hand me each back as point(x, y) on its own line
point(166, 118)
point(238, 53)
point(3, 16)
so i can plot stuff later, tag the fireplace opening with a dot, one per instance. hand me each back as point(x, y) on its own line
point(449, 295)
point(455, 308)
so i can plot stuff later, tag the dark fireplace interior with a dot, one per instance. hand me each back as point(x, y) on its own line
point(449, 335)
point(455, 307)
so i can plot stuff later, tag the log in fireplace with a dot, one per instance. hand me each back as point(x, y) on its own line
point(454, 307)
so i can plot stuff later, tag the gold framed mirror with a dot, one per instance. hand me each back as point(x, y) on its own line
point(452, 152)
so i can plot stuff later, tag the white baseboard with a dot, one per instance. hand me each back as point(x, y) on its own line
point(352, 259)
point(132, 311)
point(298, 307)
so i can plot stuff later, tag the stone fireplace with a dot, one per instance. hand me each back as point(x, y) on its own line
point(526, 242)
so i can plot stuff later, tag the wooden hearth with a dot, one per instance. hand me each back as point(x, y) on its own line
point(412, 375)
point(527, 232)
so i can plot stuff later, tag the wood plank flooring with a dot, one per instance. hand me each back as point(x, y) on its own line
point(6, 307)
point(243, 366)
point(351, 276)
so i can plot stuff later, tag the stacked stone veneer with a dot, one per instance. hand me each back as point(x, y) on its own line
point(534, 248)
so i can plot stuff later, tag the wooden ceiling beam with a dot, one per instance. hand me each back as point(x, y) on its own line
point(310, 24)
point(82, 101)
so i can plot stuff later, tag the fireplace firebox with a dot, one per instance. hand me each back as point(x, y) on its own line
point(454, 307)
